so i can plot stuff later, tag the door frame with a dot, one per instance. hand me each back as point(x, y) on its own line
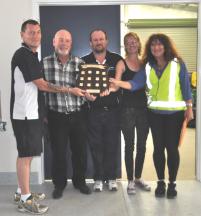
point(36, 15)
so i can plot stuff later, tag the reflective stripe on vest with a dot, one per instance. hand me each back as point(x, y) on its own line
point(148, 70)
point(167, 104)
point(172, 83)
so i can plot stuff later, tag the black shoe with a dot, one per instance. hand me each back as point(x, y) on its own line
point(85, 189)
point(82, 187)
point(160, 190)
point(57, 193)
point(171, 192)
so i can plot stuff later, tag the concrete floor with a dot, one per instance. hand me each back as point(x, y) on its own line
point(112, 203)
point(119, 203)
point(187, 159)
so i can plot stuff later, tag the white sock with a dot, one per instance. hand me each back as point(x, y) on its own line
point(18, 190)
point(25, 197)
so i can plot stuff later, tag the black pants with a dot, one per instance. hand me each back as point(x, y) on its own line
point(103, 138)
point(166, 133)
point(64, 128)
point(131, 119)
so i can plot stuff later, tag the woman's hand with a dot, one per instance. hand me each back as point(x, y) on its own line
point(114, 81)
point(105, 93)
point(188, 115)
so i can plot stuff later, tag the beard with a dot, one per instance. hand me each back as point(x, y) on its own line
point(62, 52)
point(99, 49)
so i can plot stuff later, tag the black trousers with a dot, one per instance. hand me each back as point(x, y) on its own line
point(166, 133)
point(103, 138)
point(66, 128)
point(131, 119)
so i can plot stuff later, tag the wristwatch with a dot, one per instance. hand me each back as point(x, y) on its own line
point(189, 104)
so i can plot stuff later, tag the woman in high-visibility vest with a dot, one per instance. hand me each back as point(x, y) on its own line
point(169, 103)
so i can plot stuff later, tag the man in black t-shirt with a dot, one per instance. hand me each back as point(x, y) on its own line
point(27, 78)
point(103, 125)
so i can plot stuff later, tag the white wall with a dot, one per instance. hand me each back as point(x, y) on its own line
point(12, 14)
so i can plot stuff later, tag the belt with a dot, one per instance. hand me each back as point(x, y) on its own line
point(104, 108)
point(68, 113)
point(61, 113)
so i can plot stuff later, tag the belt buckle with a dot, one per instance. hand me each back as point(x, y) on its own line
point(106, 108)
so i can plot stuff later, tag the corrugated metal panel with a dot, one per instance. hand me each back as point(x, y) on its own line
point(185, 40)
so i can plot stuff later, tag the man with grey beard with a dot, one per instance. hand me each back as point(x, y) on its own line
point(65, 115)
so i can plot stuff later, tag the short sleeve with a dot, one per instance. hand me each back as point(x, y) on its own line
point(30, 66)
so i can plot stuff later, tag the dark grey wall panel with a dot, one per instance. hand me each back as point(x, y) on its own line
point(80, 21)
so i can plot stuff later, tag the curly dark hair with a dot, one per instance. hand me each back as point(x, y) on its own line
point(170, 49)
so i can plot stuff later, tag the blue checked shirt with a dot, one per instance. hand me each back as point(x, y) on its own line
point(62, 75)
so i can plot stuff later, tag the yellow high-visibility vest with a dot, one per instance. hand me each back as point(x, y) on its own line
point(164, 93)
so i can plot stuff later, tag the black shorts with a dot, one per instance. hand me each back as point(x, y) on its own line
point(28, 135)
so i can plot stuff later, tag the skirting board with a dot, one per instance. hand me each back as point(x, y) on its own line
point(10, 178)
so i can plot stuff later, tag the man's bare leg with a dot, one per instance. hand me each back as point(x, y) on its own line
point(23, 173)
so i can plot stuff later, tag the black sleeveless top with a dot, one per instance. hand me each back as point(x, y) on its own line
point(136, 99)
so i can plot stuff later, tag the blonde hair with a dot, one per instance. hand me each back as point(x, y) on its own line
point(136, 37)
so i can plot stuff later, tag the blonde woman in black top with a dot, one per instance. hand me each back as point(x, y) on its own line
point(133, 114)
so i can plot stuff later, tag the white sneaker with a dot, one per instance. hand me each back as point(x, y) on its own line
point(113, 185)
point(98, 186)
point(131, 188)
point(143, 185)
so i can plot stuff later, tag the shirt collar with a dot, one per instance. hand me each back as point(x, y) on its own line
point(102, 62)
point(57, 58)
point(28, 48)
point(105, 60)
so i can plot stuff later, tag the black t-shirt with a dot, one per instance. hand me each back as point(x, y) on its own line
point(111, 100)
point(135, 99)
point(25, 68)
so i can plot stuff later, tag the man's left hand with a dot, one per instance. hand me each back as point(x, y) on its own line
point(77, 91)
